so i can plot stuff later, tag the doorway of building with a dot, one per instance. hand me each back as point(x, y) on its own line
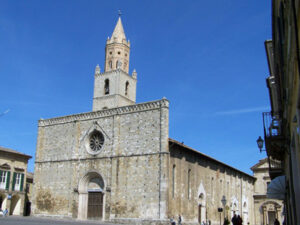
point(95, 205)
point(199, 213)
point(271, 216)
point(91, 202)
point(1, 200)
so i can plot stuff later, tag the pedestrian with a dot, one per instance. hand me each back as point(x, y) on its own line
point(179, 219)
point(226, 221)
point(203, 223)
point(172, 221)
point(239, 220)
point(5, 212)
point(234, 219)
point(276, 222)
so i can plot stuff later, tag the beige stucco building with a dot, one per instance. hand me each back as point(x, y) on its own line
point(117, 163)
point(266, 209)
point(13, 174)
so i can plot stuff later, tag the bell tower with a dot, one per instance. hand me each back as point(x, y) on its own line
point(115, 87)
point(117, 50)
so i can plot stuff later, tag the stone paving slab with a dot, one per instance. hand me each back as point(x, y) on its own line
point(18, 220)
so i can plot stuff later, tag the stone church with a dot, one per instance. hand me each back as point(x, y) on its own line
point(117, 163)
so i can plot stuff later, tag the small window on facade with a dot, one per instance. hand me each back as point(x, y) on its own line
point(173, 181)
point(106, 87)
point(3, 179)
point(110, 53)
point(189, 184)
point(110, 64)
point(119, 53)
point(126, 87)
point(125, 54)
point(17, 180)
point(118, 64)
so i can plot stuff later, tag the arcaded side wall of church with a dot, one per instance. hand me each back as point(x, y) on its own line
point(133, 162)
point(197, 184)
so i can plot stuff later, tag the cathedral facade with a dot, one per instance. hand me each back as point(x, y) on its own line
point(117, 163)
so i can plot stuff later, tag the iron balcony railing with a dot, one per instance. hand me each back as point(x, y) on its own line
point(274, 143)
point(272, 126)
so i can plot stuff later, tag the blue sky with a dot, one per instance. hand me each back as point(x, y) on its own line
point(206, 57)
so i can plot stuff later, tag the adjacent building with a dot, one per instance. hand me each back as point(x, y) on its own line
point(266, 209)
point(282, 124)
point(13, 175)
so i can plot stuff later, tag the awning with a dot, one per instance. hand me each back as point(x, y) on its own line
point(276, 189)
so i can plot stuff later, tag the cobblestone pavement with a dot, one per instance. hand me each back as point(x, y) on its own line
point(18, 220)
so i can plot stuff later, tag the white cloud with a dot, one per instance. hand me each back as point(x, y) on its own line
point(241, 111)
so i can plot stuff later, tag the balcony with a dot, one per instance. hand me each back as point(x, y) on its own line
point(275, 168)
point(275, 144)
point(274, 138)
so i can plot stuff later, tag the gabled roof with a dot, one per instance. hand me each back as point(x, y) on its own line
point(260, 162)
point(8, 150)
point(208, 157)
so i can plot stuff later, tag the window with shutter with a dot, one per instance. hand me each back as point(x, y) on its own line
point(14, 181)
point(7, 180)
point(17, 181)
point(2, 179)
point(22, 182)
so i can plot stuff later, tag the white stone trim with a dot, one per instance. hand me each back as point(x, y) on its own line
point(164, 103)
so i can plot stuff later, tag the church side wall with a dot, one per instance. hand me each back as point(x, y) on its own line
point(133, 162)
point(197, 185)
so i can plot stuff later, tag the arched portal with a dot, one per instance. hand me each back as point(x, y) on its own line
point(91, 196)
point(234, 206)
point(201, 204)
point(2, 201)
point(270, 210)
point(15, 205)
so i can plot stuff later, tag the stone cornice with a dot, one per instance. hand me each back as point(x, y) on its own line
point(164, 103)
point(112, 96)
point(117, 71)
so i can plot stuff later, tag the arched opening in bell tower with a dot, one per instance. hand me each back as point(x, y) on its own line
point(106, 87)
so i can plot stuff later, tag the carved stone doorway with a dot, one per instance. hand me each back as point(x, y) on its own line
point(271, 217)
point(91, 202)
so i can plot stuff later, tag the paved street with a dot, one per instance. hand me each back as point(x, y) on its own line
point(16, 220)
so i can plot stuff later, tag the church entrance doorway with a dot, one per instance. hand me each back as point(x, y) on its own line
point(95, 205)
point(91, 202)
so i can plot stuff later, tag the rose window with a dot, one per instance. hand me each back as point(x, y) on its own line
point(96, 141)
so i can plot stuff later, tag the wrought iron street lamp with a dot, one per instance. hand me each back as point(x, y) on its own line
point(260, 144)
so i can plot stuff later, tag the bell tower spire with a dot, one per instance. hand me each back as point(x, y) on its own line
point(117, 49)
point(115, 87)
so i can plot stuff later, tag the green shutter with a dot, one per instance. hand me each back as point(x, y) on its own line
point(7, 180)
point(22, 182)
point(1, 174)
point(14, 181)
